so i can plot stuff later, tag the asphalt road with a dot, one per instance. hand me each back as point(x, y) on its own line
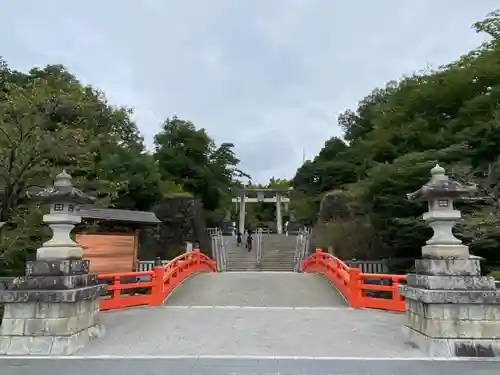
point(244, 366)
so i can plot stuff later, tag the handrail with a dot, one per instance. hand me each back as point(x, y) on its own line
point(258, 245)
point(352, 283)
point(301, 247)
point(219, 250)
point(160, 281)
point(223, 253)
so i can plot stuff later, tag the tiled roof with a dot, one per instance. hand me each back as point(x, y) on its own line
point(111, 214)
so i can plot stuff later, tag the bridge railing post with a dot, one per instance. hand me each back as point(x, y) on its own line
point(158, 286)
point(355, 296)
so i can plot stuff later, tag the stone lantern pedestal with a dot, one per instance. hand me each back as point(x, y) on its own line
point(452, 311)
point(227, 227)
point(293, 226)
point(53, 309)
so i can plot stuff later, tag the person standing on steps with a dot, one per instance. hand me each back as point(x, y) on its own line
point(249, 241)
point(238, 238)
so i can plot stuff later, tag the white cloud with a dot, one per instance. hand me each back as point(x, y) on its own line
point(269, 76)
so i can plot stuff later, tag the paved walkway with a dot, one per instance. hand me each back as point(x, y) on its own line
point(244, 323)
point(262, 289)
point(263, 331)
point(257, 314)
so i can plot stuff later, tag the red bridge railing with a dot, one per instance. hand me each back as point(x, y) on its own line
point(352, 283)
point(161, 281)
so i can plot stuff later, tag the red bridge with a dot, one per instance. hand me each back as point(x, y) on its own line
point(350, 282)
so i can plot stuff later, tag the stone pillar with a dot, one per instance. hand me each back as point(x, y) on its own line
point(451, 310)
point(53, 309)
point(279, 216)
point(242, 213)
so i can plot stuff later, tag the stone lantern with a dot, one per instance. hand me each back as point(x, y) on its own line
point(440, 192)
point(451, 309)
point(53, 309)
point(64, 199)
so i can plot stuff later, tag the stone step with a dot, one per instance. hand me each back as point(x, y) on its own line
point(241, 260)
point(264, 261)
point(262, 264)
point(249, 264)
point(261, 267)
point(239, 264)
point(241, 269)
point(278, 254)
point(277, 263)
point(232, 261)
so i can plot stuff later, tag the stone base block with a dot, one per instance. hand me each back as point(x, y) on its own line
point(294, 228)
point(472, 312)
point(49, 345)
point(227, 228)
point(53, 282)
point(454, 329)
point(58, 267)
point(439, 296)
point(45, 295)
point(42, 322)
point(450, 282)
point(444, 251)
point(448, 266)
point(452, 347)
point(45, 319)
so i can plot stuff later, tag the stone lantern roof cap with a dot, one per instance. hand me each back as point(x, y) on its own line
point(62, 191)
point(441, 186)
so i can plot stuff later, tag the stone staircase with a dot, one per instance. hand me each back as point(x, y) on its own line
point(238, 258)
point(277, 254)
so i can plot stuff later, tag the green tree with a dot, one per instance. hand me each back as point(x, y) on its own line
point(30, 146)
point(449, 115)
point(190, 158)
point(50, 121)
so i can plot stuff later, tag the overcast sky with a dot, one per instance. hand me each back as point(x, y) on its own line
point(270, 76)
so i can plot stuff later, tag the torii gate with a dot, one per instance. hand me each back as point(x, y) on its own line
point(279, 197)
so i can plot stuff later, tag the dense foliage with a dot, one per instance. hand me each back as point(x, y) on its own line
point(449, 116)
point(50, 121)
